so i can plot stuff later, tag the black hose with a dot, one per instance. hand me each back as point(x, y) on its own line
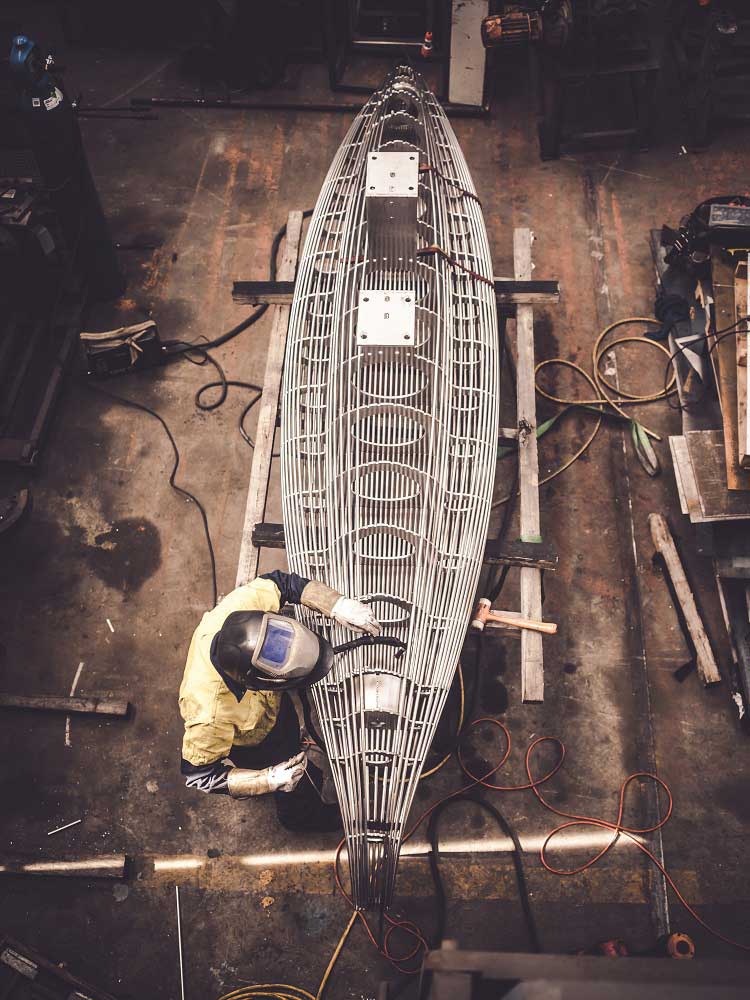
point(175, 466)
point(372, 640)
point(433, 830)
point(184, 349)
point(309, 724)
point(177, 347)
point(494, 588)
point(180, 349)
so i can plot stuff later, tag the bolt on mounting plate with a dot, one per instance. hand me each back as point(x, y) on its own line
point(386, 318)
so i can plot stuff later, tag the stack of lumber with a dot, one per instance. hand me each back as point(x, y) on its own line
point(711, 457)
point(712, 466)
point(729, 357)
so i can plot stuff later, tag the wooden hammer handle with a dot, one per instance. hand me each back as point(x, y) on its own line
point(516, 621)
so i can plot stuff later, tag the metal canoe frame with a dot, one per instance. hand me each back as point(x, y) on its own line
point(388, 456)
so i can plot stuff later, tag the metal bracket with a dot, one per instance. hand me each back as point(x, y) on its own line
point(386, 318)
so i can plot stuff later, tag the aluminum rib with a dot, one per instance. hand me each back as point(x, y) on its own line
point(388, 461)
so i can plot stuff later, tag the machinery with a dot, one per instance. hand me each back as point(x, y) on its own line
point(547, 21)
point(54, 246)
point(389, 435)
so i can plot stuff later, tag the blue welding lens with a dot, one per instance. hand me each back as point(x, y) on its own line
point(276, 643)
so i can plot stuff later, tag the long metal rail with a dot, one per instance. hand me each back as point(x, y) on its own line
point(389, 432)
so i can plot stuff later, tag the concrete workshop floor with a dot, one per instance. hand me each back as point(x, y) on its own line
point(109, 541)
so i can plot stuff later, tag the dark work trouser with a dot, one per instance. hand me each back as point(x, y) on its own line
point(301, 809)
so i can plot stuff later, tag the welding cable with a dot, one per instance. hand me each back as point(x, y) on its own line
point(124, 401)
point(409, 962)
point(440, 252)
point(283, 991)
point(222, 384)
point(181, 346)
point(600, 399)
point(185, 349)
point(617, 827)
point(433, 835)
point(427, 168)
point(372, 640)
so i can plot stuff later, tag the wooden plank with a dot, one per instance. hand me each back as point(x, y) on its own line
point(450, 985)
point(532, 656)
point(685, 478)
point(260, 472)
point(510, 967)
point(666, 548)
point(724, 352)
point(467, 53)
point(84, 706)
point(742, 343)
point(102, 866)
point(708, 462)
point(743, 399)
point(678, 479)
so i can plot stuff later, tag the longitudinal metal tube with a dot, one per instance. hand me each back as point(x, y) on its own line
point(389, 431)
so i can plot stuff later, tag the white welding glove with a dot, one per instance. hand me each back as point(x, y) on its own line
point(356, 615)
point(242, 783)
point(285, 777)
point(346, 611)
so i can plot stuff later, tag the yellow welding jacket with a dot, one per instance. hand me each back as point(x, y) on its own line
point(216, 717)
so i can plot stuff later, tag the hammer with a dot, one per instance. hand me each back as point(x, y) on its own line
point(484, 615)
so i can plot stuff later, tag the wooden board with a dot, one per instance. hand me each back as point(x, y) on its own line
point(532, 656)
point(741, 310)
point(687, 487)
point(85, 706)
point(724, 353)
point(707, 458)
point(665, 547)
point(260, 472)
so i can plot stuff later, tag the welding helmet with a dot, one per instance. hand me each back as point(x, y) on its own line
point(264, 651)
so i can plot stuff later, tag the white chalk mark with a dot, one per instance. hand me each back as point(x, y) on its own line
point(111, 626)
point(73, 687)
point(67, 826)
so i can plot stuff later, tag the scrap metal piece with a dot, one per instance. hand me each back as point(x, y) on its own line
point(13, 509)
point(388, 441)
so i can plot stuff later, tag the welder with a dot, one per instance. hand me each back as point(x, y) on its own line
point(242, 733)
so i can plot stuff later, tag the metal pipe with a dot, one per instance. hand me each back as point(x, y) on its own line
point(179, 941)
point(218, 104)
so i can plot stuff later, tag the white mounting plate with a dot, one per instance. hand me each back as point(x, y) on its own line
point(392, 175)
point(386, 318)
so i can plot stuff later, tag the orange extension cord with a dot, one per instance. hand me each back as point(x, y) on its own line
point(404, 963)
